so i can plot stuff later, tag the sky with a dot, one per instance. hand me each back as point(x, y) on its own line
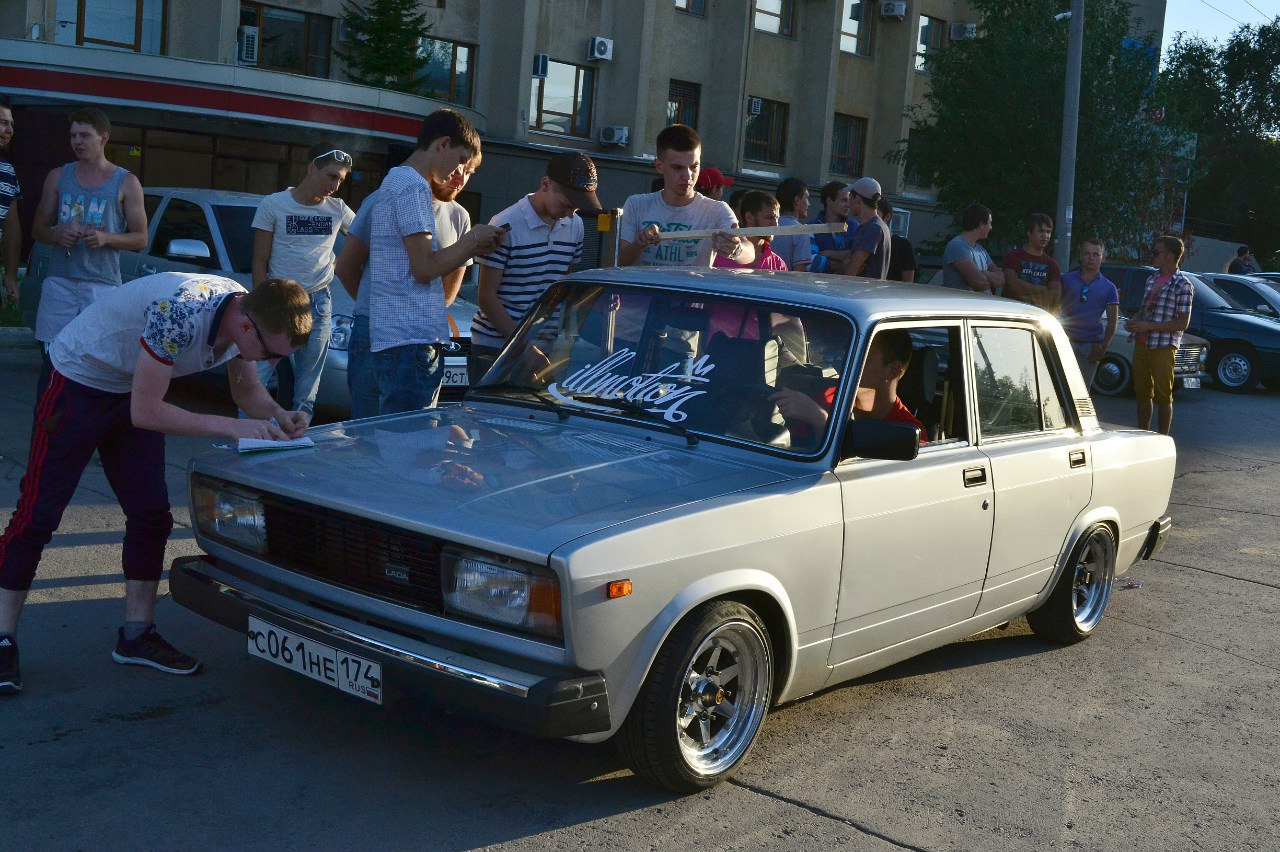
point(1215, 20)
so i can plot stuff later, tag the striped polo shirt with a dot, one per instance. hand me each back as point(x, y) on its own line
point(533, 255)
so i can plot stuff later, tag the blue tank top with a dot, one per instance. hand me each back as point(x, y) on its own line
point(97, 207)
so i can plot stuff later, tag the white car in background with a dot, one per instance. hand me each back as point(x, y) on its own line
point(211, 230)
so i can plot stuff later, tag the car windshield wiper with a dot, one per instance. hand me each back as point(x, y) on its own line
point(541, 397)
point(638, 410)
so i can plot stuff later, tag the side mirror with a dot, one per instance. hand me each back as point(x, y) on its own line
point(188, 250)
point(878, 439)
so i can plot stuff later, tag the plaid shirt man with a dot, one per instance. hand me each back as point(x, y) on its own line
point(1163, 303)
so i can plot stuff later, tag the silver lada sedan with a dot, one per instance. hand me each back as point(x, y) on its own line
point(681, 498)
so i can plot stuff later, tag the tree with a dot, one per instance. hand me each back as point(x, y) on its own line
point(1229, 96)
point(385, 40)
point(990, 128)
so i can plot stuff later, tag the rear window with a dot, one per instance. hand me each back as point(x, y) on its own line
point(236, 224)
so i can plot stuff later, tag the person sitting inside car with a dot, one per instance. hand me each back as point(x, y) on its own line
point(877, 397)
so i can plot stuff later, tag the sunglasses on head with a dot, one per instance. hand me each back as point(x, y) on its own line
point(340, 157)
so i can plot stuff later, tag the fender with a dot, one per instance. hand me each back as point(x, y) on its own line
point(1089, 518)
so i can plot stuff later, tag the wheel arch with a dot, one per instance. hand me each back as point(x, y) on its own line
point(1103, 516)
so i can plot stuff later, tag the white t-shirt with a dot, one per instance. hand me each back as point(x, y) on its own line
point(304, 234)
point(173, 316)
point(641, 211)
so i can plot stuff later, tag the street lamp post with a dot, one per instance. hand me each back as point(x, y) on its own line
point(1070, 122)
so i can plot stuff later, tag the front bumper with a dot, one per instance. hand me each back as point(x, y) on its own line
point(546, 703)
point(1155, 538)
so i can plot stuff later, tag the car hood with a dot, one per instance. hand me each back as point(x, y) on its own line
point(489, 474)
point(1261, 330)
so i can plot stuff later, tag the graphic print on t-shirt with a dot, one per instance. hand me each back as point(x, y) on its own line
point(308, 226)
point(90, 210)
point(673, 251)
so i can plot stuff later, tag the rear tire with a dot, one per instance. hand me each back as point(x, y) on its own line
point(704, 700)
point(1077, 602)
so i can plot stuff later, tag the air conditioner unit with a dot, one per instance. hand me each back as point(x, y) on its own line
point(540, 61)
point(247, 46)
point(600, 49)
point(614, 134)
point(893, 9)
point(963, 32)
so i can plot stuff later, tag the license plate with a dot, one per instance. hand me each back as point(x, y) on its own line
point(1191, 383)
point(347, 672)
point(455, 376)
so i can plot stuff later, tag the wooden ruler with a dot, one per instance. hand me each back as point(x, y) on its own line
point(778, 231)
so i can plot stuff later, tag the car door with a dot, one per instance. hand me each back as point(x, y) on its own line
point(131, 261)
point(1040, 461)
point(176, 240)
point(917, 533)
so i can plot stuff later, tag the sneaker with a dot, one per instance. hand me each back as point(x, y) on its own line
point(150, 649)
point(10, 677)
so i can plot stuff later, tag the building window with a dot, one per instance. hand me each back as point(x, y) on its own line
point(929, 41)
point(766, 137)
point(848, 144)
point(693, 7)
point(911, 175)
point(682, 103)
point(855, 27)
point(561, 101)
point(132, 25)
point(290, 41)
point(775, 16)
point(445, 72)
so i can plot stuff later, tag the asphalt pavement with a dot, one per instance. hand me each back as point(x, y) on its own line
point(1160, 732)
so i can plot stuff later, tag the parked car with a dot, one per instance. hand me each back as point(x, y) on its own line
point(1115, 370)
point(1250, 292)
point(620, 533)
point(210, 230)
point(1244, 346)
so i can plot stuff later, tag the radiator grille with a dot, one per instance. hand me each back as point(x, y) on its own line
point(355, 553)
point(1187, 359)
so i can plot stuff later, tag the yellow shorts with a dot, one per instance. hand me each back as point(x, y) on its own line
point(1153, 373)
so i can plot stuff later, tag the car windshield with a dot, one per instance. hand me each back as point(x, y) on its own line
point(701, 365)
point(1208, 296)
point(235, 221)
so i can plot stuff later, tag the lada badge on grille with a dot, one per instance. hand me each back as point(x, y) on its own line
point(398, 574)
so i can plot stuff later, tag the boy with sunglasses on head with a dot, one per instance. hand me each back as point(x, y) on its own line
point(1090, 309)
point(293, 237)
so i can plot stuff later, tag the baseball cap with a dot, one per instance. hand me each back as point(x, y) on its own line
point(866, 187)
point(575, 174)
point(711, 177)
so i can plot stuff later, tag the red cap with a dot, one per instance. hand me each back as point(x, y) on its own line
point(711, 177)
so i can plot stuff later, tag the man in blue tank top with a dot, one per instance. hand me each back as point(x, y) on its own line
point(90, 211)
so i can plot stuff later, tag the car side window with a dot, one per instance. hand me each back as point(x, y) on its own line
point(184, 220)
point(1016, 393)
point(932, 388)
point(151, 203)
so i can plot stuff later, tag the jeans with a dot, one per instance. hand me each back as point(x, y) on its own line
point(308, 362)
point(1088, 368)
point(362, 375)
point(408, 376)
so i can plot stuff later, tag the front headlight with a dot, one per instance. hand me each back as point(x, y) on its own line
point(517, 595)
point(340, 332)
point(229, 513)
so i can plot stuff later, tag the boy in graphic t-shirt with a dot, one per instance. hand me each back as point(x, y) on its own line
point(678, 206)
point(1030, 274)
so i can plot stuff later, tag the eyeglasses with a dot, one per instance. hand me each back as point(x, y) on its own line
point(342, 158)
point(267, 354)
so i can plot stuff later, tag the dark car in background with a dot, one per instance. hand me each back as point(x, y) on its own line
point(1244, 346)
point(1250, 292)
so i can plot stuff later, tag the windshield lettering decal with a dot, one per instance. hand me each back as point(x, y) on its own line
point(662, 397)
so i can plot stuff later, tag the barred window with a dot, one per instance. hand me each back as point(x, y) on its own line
point(766, 136)
point(848, 144)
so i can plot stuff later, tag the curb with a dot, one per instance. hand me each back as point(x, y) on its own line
point(14, 337)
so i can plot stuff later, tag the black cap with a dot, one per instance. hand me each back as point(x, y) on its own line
point(575, 174)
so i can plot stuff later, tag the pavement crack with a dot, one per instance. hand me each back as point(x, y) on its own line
point(825, 814)
point(1225, 509)
point(1219, 574)
point(1250, 459)
point(1218, 648)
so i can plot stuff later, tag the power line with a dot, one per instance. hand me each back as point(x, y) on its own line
point(1224, 14)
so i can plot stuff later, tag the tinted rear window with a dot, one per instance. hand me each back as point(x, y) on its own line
point(236, 224)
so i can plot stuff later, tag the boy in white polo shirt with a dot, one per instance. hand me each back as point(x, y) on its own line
point(294, 232)
point(543, 240)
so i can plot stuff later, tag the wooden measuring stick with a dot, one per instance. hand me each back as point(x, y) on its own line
point(778, 231)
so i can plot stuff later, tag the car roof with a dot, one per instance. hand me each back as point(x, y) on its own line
point(213, 196)
point(861, 298)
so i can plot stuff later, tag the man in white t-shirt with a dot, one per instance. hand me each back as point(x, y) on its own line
point(678, 207)
point(111, 368)
point(294, 232)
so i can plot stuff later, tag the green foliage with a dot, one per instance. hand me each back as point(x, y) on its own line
point(384, 43)
point(991, 126)
point(1229, 95)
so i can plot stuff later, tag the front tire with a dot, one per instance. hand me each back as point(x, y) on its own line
point(704, 700)
point(1234, 369)
point(1077, 602)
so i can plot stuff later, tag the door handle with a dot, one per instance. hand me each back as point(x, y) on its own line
point(1076, 458)
point(147, 269)
point(974, 476)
